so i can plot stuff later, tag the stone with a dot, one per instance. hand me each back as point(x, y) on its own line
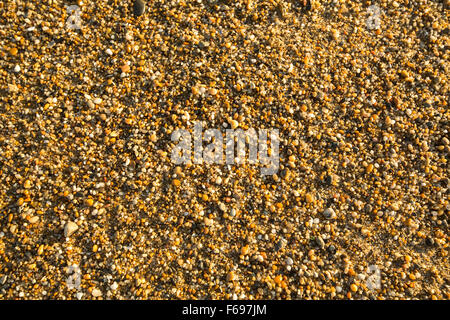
point(320, 242)
point(138, 7)
point(96, 293)
point(33, 219)
point(70, 228)
point(222, 207)
point(27, 184)
point(114, 286)
point(234, 124)
point(329, 213)
point(231, 276)
point(289, 261)
point(244, 250)
point(125, 68)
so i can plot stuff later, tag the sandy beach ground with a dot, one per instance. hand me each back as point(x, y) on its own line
point(92, 205)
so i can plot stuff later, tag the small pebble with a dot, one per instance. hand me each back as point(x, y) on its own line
point(139, 7)
point(70, 228)
point(96, 293)
point(329, 213)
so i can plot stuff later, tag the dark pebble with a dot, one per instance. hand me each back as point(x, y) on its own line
point(429, 241)
point(331, 249)
point(328, 180)
point(138, 7)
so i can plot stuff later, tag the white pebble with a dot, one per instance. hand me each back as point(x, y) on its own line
point(96, 292)
point(97, 100)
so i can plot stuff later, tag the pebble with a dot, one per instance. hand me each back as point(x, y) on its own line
point(222, 207)
point(212, 91)
point(139, 7)
point(97, 100)
point(114, 286)
point(289, 261)
point(33, 219)
point(244, 250)
point(231, 276)
point(70, 228)
point(234, 124)
point(320, 242)
point(208, 222)
point(27, 184)
point(125, 68)
point(331, 249)
point(329, 213)
point(96, 293)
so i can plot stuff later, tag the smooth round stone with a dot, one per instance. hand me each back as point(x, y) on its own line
point(329, 213)
point(139, 7)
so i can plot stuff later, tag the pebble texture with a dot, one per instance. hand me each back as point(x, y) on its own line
point(86, 179)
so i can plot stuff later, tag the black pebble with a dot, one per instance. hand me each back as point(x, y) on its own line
point(138, 7)
point(328, 180)
point(429, 241)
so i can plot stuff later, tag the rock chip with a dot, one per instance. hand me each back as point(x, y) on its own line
point(70, 228)
point(96, 292)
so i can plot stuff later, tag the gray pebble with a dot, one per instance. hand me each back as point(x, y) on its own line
point(331, 249)
point(289, 261)
point(329, 213)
